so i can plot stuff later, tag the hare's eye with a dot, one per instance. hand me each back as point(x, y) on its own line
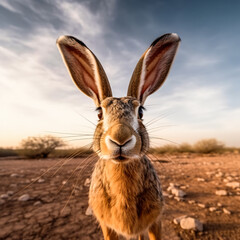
point(100, 115)
point(140, 112)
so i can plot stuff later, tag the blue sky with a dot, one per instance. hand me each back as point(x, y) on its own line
point(200, 98)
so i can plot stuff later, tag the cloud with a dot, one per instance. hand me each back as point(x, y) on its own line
point(37, 95)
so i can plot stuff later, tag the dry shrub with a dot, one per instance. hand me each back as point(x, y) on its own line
point(40, 147)
point(8, 152)
point(185, 148)
point(208, 146)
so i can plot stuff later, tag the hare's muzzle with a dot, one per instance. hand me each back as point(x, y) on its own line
point(120, 143)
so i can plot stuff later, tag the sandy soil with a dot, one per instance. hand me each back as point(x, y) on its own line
point(58, 199)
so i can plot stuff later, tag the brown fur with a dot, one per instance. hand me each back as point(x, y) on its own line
point(125, 197)
point(125, 192)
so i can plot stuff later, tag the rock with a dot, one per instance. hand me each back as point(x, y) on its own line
point(64, 182)
point(229, 178)
point(89, 211)
point(191, 202)
point(219, 174)
point(178, 219)
point(24, 198)
point(190, 223)
point(165, 194)
point(212, 209)
point(179, 199)
point(178, 193)
point(87, 182)
point(226, 211)
point(2, 201)
point(233, 184)
point(37, 203)
point(41, 180)
point(14, 175)
point(183, 187)
point(201, 205)
point(4, 196)
point(10, 193)
point(221, 193)
point(13, 185)
point(200, 179)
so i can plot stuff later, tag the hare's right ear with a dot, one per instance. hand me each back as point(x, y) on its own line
point(153, 67)
point(84, 68)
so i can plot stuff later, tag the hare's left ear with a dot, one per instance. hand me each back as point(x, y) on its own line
point(153, 67)
point(84, 68)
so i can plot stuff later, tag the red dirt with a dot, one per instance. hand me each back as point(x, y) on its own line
point(45, 217)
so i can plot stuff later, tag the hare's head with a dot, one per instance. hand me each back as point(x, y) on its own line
point(120, 134)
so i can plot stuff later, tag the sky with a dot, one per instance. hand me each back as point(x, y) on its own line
point(199, 100)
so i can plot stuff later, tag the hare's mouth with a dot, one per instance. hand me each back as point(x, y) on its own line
point(120, 158)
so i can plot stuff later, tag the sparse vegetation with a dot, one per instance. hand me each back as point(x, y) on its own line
point(204, 146)
point(49, 146)
point(40, 147)
point(8, 152)
point(209, 146)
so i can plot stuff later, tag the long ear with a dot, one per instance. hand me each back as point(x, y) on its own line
point(153, 67)
point(84, 68)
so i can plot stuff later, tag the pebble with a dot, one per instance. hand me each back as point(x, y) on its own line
point(212, 209)
point(190, 223)
point(233, 184)
point(13, 185)
point(191, 202)
point(89, 211)
point(178, 192)
point(219, 204)
point(165, 194)
point(179, 199)
point(178, 219)
point(4, 196)
point(64, 182)
point(220, 174)
point(37, 203)
point(24, 198)
point(14, 175)
point(226, 211)
point(87, 182)
point(41, 180)
point(10, 193)
point(200, 179)
point(201, 205)
point(221, 193)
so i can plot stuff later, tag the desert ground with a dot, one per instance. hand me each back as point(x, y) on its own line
point(40, 201)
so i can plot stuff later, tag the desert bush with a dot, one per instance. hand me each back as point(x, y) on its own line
point(8, 152)
point(72, 152)
point(208, 146)
point(40, 147)
point(185, 148)
point(168, 148)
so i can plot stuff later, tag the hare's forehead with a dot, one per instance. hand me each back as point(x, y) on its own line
point(122, 106)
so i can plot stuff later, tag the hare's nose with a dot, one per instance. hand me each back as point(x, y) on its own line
point(122, 144)
point(119, 135)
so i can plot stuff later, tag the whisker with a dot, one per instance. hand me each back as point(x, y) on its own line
point(87, 119)
point(74, 154)
point(79, 164)
point(152, 137)
point(73, 189)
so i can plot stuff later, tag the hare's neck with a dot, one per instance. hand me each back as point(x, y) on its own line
point(125, 179)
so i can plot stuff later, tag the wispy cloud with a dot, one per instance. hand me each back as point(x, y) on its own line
point(37, 95)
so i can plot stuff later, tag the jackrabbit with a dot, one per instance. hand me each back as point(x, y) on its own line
point(125, 193)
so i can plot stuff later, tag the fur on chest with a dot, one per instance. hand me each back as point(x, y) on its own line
point(124, 197)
